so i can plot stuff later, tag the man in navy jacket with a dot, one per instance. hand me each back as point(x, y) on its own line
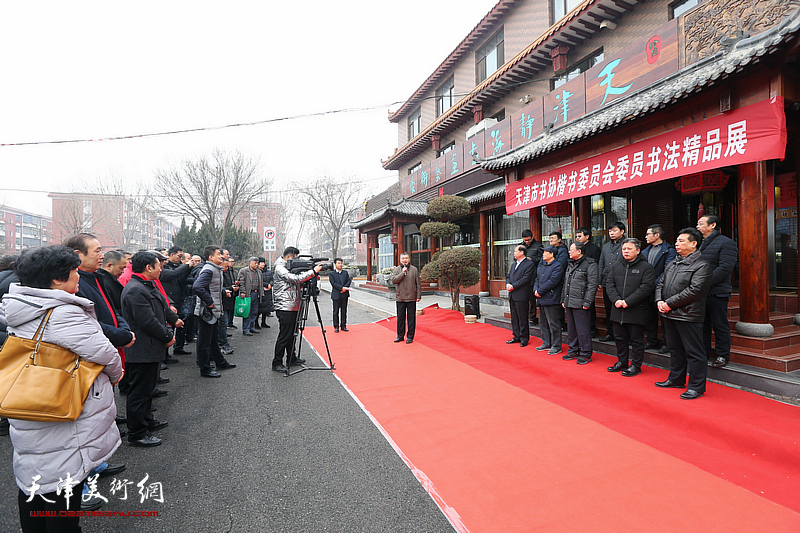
point(518, 285)
point(340, 293)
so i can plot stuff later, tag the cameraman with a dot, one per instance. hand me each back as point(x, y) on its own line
point(286, 294)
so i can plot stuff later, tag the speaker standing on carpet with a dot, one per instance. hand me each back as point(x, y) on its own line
point(518, 285)
point(408, 293)
point(340, 293)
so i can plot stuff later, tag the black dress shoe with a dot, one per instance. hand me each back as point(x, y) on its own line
point(345, 329)
point(298, 361)
point(155, 425)
point(691, 395)
point(169, 360)
point(121, 419)
point(247, 334)
point(226, 366)
point(92, 504)
point(399, 339)
point(256, 326)
point(719, 362)
point(512, 341)
point(336, 330)
point(632, 371)
point(161, 381)
point(210, 374)
point(663, 349)
point(112, 469)
point(145, 442)
point(265, 326)
point(652, 346)
point(158, 393)
point(667, 384)
point(618, 367)
point(231, 326)
point(181, 351)
point(409, 341)
point(279, 368)
point(607, 338)
point(523, 344)
point(153, 409)
point(163, 367)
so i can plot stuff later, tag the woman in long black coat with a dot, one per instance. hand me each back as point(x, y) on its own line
point(265, 307)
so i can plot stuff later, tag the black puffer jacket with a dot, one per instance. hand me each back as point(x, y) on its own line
point(632, 281)
point(684, 287)
point(722, 254)
point(580, 283)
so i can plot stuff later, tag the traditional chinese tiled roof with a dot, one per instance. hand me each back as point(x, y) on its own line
point(680, 85)
point(487, 193)
point(532, 60)
point(403, 207)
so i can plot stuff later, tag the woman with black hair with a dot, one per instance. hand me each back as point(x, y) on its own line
point(47, 453)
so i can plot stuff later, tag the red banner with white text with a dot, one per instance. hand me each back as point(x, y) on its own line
point(753, 133)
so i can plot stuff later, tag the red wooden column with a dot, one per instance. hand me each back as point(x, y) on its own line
point(484, 236)
point(369, 259)
point(753, 249)
point(535, 217)
point(585, 212)
point(401, 240)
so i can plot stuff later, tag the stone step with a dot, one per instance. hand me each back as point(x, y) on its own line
point(783, 359)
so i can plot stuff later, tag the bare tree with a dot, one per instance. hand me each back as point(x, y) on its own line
point(132, 215)
point(212, 190)
point(329, 202)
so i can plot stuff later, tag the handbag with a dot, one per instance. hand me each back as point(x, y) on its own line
point(241, 307)
point(41, 381)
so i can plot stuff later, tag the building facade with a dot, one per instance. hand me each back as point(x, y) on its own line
point(260, 217)
point(118, 222)
point(20, 230)
point(602, 111)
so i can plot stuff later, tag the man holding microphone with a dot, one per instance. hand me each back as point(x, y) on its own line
point(408, 293)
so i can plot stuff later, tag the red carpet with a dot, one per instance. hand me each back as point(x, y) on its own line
point(510, 439)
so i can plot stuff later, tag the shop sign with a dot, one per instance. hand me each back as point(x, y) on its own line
point(753, 133)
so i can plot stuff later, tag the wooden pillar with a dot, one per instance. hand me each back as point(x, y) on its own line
point(484, 236)
point(369, 258)
point(795, 146)
point(753, 239)
point(535, 216)
point(585, 212)
point(400, 241)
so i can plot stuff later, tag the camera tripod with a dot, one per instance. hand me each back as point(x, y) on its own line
point(309, 292)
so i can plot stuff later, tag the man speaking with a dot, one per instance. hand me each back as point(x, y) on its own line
point(286, 295)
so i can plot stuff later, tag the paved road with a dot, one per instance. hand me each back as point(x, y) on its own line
point(256, 451)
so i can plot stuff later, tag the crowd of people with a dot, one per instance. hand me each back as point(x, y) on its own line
point(685, 288)
point(125, 311)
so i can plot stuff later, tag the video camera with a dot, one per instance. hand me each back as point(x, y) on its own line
point(307, 262)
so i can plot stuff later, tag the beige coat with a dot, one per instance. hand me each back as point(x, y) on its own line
point(409, 288)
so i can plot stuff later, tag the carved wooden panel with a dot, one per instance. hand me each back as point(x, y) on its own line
point(714, 23)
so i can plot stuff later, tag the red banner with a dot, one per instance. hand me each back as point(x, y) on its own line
point(753, 133)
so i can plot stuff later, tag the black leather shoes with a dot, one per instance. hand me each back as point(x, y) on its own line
point(112, 469)
point(336, 330)
point(409, 341)
point(542, 348)
point(399, 339)
point(512, 341)
point(146, 442)
point(210, 374)
point(92, 504)
point(345, 329)
point(523, 344)
point(161, 381)
point(155, 425)
point(121, 419)
point(691, 395)
point(181, 351)
point(256, 332)
point(669, 384)
point(226, 366)
point(632, 371)
point(169, 360)
point(158, 393)
point(618, 367)
point(569, 356)
point(719, 362)
point(279, 368)
point(663, 349)
point(607, 338)
point(298, 361)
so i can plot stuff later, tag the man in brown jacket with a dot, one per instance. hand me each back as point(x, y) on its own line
point(409, 292)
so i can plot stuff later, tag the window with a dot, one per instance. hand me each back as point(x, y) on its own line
point(500, 116)
point(505, 231)
point(446, 149)
point(414, 124)
point(489, 57)
point(414, 168)
point(445, 96)
point(677, 9)
point(594, 59)
point(562, 7)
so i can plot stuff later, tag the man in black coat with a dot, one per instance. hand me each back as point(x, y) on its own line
point(658, 253)
point(681, 298)
point(580, 289)
point(584, 235)
point(611, 252)
point(721, 253)
point(630, 285)
point(173, 279)
point(340, 294)
point(534, 253)
point(114, 263)
point(147, 312)
point(518, 285)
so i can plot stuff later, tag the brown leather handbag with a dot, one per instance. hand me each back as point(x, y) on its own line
point(41, 381)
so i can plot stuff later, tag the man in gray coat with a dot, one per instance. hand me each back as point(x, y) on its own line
point(208, 289)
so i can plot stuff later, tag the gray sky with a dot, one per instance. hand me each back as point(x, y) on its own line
point(91, 70)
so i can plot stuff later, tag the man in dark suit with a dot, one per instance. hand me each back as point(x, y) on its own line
point(658, 253)
point(518, 285)
point(592, 251)
point(534, 253)
point(340, 293)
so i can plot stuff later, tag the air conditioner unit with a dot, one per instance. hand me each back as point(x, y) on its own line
point(481, 126)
